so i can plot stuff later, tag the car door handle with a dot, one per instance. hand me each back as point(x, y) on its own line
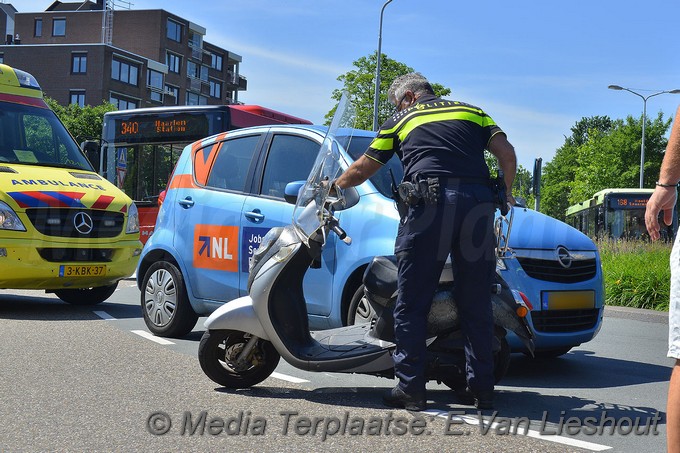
point(186, 203)
point(255, 215)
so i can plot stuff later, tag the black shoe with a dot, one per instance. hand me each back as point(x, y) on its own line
point(481, 400)
point(398, 398)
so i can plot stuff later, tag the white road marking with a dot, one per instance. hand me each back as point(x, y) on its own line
point(471, 420)
point(285, 377)
point(152, 337)
point(105, 316)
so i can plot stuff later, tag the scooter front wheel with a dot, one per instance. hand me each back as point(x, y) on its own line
point(219, 353)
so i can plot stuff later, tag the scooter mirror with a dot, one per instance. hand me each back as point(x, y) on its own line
point(350, 198)
point(292, 190)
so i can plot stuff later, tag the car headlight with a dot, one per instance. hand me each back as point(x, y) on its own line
point(133, 220)
point(9, 220)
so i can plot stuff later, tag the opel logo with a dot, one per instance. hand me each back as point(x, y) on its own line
point(564, 257)
point(83, 223)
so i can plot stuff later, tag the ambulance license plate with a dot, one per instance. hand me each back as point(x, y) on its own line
point(82, 271)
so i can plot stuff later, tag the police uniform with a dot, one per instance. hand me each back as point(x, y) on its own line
point(445, 141)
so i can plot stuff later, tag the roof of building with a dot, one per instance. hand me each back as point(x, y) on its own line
point(86, 5)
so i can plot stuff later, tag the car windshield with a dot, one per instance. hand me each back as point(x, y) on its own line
point(382, 180)
point(34, 136)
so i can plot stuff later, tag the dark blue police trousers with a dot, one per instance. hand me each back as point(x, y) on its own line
point(461, 223)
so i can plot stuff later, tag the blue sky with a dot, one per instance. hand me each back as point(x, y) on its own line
point(537, 67)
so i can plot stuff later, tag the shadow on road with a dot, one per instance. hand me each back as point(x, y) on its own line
point(581, 369)
point(508, 404)
point(51, 308)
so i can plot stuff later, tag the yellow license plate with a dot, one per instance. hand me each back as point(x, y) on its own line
point(567, 300)
point(82, 271)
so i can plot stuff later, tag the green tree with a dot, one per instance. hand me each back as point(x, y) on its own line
point(82, 122)
point(360, 83)
point(559, 174)
point(612, 159)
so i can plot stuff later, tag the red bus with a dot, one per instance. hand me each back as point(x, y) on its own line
point(140, 147)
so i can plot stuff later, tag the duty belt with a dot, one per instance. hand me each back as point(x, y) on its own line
point(428, 188)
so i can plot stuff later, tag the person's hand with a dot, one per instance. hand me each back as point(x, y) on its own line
point(511, 200)
point(662, 200)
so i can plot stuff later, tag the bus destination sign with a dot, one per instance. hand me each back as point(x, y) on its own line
point(629, 202)
point(162, 128)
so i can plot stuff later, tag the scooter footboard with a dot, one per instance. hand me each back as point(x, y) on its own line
point(237, 314)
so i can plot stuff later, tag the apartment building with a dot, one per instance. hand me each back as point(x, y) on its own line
point(86, 52)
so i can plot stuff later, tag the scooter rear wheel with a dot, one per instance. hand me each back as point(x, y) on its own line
point(220, 348)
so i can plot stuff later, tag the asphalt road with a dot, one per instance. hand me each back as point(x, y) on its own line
point(86, 379)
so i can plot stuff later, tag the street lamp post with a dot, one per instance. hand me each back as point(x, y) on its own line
point(644, 121)
point(377, 70)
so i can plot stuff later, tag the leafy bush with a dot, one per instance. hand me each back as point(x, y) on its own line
point(636, 274)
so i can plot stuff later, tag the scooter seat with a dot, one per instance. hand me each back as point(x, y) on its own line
point(380, 277)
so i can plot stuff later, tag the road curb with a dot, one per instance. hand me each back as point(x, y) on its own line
point(638, 314)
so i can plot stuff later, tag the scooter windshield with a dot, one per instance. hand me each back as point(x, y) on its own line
point(311, 209)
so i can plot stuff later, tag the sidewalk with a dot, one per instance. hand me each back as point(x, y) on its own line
point(638, 314)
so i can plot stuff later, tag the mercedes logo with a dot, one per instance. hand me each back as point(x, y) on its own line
point(83, 223)
point(564, 257)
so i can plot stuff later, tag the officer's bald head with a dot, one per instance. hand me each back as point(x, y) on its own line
point(413, 81)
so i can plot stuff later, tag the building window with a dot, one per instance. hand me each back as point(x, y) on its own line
point(173, 92)
point(174, 62)
point(196, 99)
point(193, 70)
point(2, 57)
point(154, 80)
point(216, 62)
point(122, 104)
point(195, 40)
point(79, 63)
point(124, 72)
point(216, 89)
point(78, 98)
point(59, 27)
point(174, 30)
point(37, 28)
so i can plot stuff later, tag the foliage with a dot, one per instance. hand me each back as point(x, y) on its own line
point(360, 83)
point(82, 122)
point(625, 285)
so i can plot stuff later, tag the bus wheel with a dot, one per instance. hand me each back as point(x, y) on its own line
point(165, 303)
point(86, 296)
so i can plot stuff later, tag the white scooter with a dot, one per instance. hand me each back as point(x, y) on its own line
point(245, 338)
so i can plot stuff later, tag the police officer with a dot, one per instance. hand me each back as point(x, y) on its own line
point(441, 145)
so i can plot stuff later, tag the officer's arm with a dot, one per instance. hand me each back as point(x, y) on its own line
point(500, 147)
point(360, 170)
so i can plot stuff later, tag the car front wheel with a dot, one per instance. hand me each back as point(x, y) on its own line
point(165, 303)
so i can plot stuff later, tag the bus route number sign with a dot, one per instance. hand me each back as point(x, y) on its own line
point(629, 202)
point(156, 128)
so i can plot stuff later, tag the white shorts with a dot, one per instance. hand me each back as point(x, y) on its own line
point(674, 307)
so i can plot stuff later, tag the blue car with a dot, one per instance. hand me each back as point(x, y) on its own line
point(227, 191)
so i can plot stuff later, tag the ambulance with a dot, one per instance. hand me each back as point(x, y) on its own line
point(63, 228)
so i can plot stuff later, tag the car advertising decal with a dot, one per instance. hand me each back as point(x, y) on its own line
point(252, 237)
point(203, 160)
point(216, 247)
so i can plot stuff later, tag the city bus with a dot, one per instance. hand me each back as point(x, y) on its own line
point(616, 214)
point(141, 146)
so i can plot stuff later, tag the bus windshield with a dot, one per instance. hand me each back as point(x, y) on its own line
point(32, 135)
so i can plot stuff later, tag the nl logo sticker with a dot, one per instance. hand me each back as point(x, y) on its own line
point(216, 247)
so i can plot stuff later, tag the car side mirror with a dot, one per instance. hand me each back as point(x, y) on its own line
point(91, 150)
point(290, 193)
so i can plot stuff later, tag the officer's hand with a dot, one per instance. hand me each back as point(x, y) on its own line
point(511, 200)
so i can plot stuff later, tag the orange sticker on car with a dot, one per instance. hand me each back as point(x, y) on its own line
point(216, 247)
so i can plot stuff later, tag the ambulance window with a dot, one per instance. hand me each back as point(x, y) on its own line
point(38, 133)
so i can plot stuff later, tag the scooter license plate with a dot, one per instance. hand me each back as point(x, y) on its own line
point(82, 271)
point(567, 300)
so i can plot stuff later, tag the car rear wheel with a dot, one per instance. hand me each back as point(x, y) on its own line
point(86, 296)
point(165, 304)
point(360, 310)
